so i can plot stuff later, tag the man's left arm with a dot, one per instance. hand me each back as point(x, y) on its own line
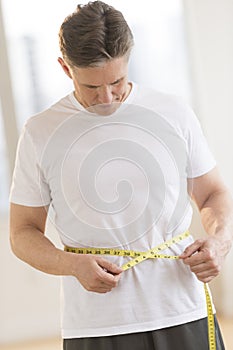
point(206, 255)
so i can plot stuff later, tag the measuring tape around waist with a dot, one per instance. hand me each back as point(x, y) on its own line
point(153, 253)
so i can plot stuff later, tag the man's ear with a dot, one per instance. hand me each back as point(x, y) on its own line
point(64, 67)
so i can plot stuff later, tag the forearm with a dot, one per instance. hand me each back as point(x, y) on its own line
point(28, 242)
point(206, 255)
point(217, 217)
point(33, 247)
point(94, 273)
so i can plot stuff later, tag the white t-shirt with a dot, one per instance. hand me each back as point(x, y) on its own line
point(119, 181)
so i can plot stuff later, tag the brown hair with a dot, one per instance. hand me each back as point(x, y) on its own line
point(94, 33)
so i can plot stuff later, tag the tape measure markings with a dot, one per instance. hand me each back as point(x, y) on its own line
point(124, 253)
point(211, 325)
point(153, 252)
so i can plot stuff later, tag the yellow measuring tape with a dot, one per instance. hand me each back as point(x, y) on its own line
point(153, 253)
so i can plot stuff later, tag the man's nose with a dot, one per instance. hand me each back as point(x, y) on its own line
point(105, 95)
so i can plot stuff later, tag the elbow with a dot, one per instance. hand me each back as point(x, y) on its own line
point(19, 242)
point(14, 243)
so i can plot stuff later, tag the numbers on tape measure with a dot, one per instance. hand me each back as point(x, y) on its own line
point(211, 324)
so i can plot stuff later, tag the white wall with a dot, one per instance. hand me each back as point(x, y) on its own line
point(209, 25)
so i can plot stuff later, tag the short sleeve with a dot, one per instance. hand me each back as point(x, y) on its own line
point(201, 160)
point(28, 186)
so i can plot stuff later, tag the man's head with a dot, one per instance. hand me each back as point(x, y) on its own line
point(96, 42)
point(93, 34)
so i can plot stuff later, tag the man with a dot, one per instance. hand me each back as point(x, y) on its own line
point(114, 162)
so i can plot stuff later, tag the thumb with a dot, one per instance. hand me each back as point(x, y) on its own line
point(191, 249)
point(110, 267)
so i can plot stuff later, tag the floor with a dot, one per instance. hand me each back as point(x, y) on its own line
point(55, 344)
point(51, 344)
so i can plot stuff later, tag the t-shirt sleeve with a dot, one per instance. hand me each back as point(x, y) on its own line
point(201, 160)
point(28, 186)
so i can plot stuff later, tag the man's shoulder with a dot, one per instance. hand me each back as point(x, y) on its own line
point(55, 111)
point(46, 121)
point(172, 107)
point(156, 98)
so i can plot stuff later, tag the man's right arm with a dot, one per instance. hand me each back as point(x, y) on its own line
point(29, 243)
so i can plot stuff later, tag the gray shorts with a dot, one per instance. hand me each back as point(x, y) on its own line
point(188, 336)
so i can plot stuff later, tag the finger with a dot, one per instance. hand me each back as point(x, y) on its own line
point(100, 289)
point(106, 278)
point(196, 259)
point(206, 268)
point(206, 279)
point(103, 288)
point(110, 267)
point(206, 276)
point(205, 255)
point(98, 286)
point(192, 248)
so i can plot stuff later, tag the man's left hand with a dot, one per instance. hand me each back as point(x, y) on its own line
point(205, 257)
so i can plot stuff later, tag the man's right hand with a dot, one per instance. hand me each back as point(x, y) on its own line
point(96, 274)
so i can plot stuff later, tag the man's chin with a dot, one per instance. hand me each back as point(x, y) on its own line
point(104, 109)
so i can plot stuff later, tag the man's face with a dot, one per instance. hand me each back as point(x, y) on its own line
point(97, 88)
